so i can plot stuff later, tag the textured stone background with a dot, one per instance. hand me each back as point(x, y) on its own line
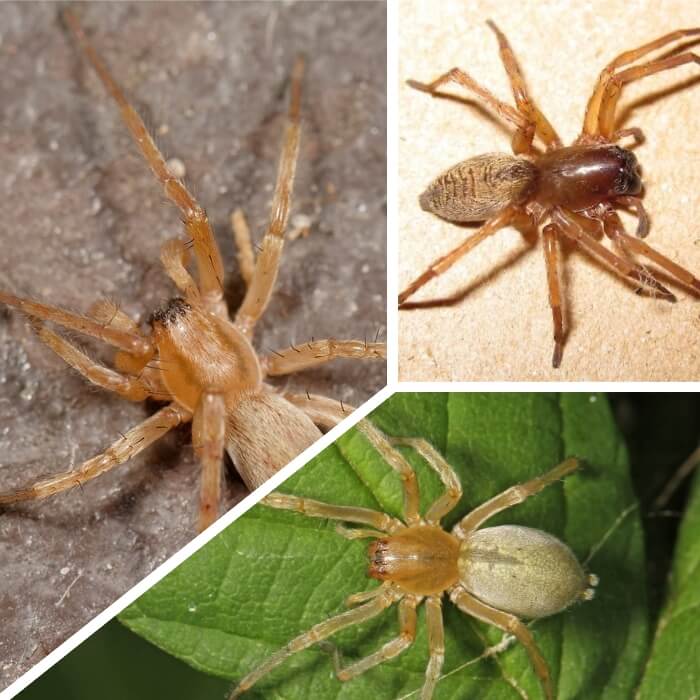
point(82, 218)
point(494, 322)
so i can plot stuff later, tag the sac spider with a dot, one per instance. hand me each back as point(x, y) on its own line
point(576, 189)
point(496, 574)
point(195, 358)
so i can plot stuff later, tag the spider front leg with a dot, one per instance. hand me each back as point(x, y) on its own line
point(241, 237)
point(268, 261)
point(436, 645)
point(317, 352)
point(595, 121)
point(208, 257)
point(129, 445)
point(614, 229)
point(453, 487)
point(317, 633)
point(512, 496)
point(508, 623)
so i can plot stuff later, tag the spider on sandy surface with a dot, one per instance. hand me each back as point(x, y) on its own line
point(497, 574)
point(195, 358)
point(576, 188)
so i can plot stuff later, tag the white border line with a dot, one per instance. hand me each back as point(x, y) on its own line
point(164, 569)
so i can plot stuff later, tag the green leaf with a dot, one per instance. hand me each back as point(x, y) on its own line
point(273, 574)
point(674, 665)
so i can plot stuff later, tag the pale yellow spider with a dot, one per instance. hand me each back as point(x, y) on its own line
point(497, 574)
point(195, 358)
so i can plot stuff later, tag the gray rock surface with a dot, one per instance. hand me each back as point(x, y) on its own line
point(81, 218)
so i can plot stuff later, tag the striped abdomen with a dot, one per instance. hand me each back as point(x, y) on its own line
point(479, 188)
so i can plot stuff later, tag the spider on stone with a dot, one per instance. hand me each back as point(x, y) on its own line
point(576, 188)
point(195, 358)
point(496, 574)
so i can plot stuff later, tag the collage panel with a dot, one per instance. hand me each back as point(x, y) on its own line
point(543, 513)
point(563, 284)
point(217, 85)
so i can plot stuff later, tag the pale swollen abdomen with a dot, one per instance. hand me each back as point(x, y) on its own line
point(520, 570)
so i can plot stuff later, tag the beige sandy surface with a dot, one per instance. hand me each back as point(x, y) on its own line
point(488, 317)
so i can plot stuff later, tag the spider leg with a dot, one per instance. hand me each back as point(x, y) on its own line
point(642, 216)
point(316, 634)
point(208, 436)
point(132, 388)
point(241, 236)
point(506, 217)
point(591, 119)
point(613, 88)
point(571, 225)
point(207, 253)
point(457, 75)
point(131, 342)
point(512, 496)
point(634, 131)
point(174, 255)
point(614, 229)
point(132, 443)
point(453, 487)
point(551, 257)
point(266, 267)
point(436, 645)
point(411, 497)
point(316, 509)
point(324, 412)
point(509, 623)
point(107, 313)
point(390, 650)
point(538, 123)
point(318, 352)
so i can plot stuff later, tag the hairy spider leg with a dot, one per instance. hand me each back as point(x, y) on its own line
point(615, 230)
point(573, 227)
point(324, 412)
point(453, 487)
point(265, 273)
point(317, 633)
point(538, 123)
point(129, 445)
point(244, 246)
point(512, 496)
point(128, 341)
point(551, 258)
point(505, 218)
point(208, 257)
point(592, 121)
point(174, 255)
point(317, 352)
point(508, 623)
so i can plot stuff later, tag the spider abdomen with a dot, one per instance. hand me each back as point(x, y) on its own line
point(422, 559)
point(480, 187)
point(521, 570)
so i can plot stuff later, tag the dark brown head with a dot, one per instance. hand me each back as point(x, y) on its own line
point(579, 177)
